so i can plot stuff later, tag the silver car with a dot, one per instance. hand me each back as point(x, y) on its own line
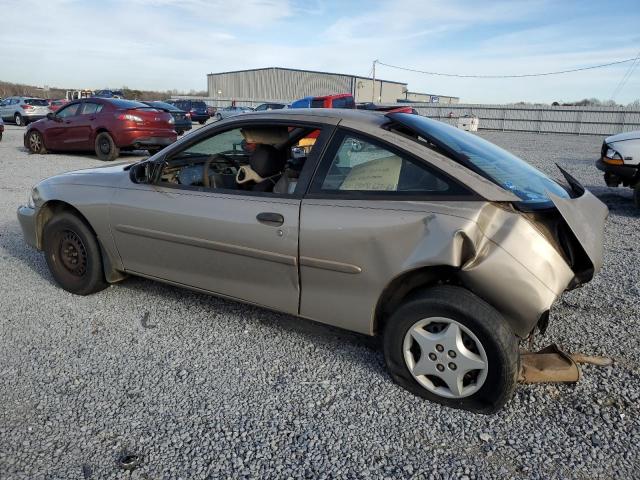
point(23, 110)
point(449, 247)
point(620, 162)
point(227, 112)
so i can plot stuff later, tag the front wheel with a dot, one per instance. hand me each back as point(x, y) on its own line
point(451, 347)
point(106, 148)
point(35, 142)
point(218, 116)
point(18, 120)
point(202, 122)
point(73, 255)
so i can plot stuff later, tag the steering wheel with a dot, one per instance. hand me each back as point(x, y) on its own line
point(205, 166)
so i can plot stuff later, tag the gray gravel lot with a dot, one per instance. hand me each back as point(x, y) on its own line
point(201, 387)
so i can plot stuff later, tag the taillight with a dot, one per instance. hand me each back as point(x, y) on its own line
point(26, 106)
point(187, 115)
point(130, 117)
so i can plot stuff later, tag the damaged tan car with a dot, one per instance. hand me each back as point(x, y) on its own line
point(450, 247)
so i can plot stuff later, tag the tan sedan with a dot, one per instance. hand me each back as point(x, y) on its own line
point(448, 246)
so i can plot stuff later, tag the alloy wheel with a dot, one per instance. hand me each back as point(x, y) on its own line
point(35, 142)
point(445, 357)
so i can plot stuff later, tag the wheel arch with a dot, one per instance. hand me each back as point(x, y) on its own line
point(407, 283)
point(53, 207)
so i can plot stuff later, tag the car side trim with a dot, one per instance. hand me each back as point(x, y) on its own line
point(209, 244)
point(330, 265)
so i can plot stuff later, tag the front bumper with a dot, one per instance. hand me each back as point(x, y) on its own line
point(27, 219)
point(627, 174)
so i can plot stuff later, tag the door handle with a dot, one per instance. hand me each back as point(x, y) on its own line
point(270, 218)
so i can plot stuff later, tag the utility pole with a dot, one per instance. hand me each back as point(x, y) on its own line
point(373, 89)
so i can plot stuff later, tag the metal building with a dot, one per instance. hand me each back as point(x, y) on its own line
point(288, 84)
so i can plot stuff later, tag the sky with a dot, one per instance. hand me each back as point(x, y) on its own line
point(173, 44)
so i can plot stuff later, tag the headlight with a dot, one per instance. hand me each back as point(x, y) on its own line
point(172, 120)
point(611, 153)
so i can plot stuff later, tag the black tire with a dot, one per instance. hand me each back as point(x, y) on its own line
point(218, 117)
point(0, 136)
point(636, 195)
point(490, 328)
point(106, 148)
point(202, 122)
point(154, 150)
point(19, 121)
point(35, 142)
point(68, 239)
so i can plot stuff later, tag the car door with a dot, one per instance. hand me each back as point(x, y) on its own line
point(81, 134)
point(239, 244)
point(59, 130)
point(367, 218)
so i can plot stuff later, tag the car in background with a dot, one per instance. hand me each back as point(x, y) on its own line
point(104, 125)
point(109, 94)
point(55, 105)
point(269, 106)
point(452, 249)
point(23, 110)
point(211, 111)
point(182, 119)
point(340, 100)
point(386, 108)
point(231, 111)
point(196, 108)
point(1, 128)
point(620, 162)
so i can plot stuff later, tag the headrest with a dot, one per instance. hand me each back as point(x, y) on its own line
point(266, 161)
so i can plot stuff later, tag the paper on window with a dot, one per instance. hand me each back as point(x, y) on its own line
point(382, 174)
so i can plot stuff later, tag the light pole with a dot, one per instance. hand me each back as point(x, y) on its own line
point(373, 88)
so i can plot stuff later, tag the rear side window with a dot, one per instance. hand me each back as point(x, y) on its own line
point(317, 103)
point(346, 102)
point(360, 164)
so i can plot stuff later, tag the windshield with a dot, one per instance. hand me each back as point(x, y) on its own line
point(505, 169)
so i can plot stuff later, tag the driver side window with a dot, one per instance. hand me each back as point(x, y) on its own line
point(252, 158)
point(68, 111)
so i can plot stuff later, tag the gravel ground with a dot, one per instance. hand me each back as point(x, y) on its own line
point(200, 387)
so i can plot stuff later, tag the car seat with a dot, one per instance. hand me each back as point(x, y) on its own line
point(265, 168)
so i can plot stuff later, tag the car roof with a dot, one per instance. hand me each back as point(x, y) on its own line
point(365, 117)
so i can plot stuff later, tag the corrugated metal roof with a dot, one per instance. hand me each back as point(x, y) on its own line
point(306, 71)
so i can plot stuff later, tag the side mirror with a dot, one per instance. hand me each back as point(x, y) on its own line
point(51, 116)
point(140, 172)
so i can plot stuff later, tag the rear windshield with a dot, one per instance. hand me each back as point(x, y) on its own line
point(36, 102)
point(503, 168)
point(317, 103)
point(200, 105)
point(126, 104)
point(164, 106)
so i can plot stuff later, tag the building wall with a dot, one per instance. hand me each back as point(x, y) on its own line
point(385, 92)
point(276, 84)
point(429, 98)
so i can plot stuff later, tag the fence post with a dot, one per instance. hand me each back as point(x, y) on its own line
point(624, 115)
point(540, 120)
point(504, 117)
point(579, 124)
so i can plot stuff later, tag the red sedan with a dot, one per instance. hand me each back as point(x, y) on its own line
point(105, 125)
point(55, 105)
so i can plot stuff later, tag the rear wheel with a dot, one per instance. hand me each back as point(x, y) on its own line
point(451, 347)
point(106, 148)
point(202, 122)
point(73, 255)
point(17, 118)
point(636, 195)
point(35, 142)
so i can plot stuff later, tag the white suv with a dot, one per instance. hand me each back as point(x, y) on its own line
point(23, 110)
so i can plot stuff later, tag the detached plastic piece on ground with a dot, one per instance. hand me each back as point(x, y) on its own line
point(549, 365)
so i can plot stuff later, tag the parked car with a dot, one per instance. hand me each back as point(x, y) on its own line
point(182, 119)
point(448, 246)
point(1, 128)
point(109, 94)
point(620, 162)
point(196, 108)
point(23, 110)
point(270, 106)
point(231, 111)
point(211, 111)
point(386, 108)
point(55, 105)
point(341, 100)
point(105, 125)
